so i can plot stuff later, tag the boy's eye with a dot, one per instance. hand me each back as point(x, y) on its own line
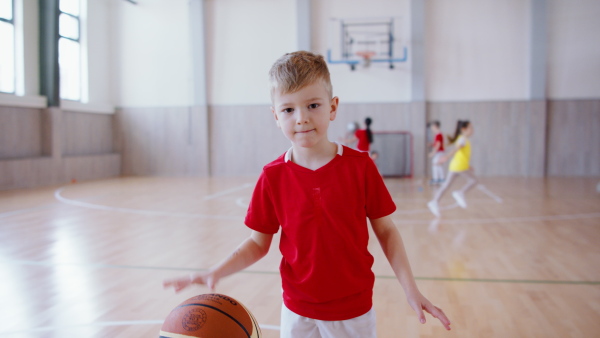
point(288, 110)
point(313, 106)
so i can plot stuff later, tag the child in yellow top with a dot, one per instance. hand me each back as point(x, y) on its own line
point(459, 166)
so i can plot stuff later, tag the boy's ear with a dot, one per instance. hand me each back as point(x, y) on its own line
point(334, 106)
point(276, 117)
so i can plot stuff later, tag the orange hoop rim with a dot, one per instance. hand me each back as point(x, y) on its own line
point(366, 54)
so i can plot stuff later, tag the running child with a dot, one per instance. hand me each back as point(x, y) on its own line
point(459, 166)
point(437, 152)
point(319, 194)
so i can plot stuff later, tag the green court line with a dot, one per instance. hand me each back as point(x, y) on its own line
point(513, 281)
point(438, 279)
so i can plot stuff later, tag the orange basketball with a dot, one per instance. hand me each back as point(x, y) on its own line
point(210, 315)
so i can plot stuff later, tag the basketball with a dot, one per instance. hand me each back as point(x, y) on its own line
point(210, 316)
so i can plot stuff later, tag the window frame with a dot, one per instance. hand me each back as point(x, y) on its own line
point(12, 22)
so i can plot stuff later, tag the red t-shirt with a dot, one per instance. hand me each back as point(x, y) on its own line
point(439, 138)
point(363, 140)
point(326, 267)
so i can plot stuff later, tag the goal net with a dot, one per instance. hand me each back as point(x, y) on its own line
point(394, 153)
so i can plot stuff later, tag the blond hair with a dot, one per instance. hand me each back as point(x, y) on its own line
point(296, 70)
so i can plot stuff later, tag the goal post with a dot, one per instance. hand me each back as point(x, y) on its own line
point(394, 153)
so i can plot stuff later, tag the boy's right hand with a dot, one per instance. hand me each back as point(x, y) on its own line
point(179, 284)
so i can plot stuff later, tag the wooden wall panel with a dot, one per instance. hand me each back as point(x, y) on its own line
point(163, 141)
point(92, 167)
point(87, 134)
point(42, 171)
point(49, 146)
point(508, 135)
point(20, 132)
point(243, 139)
point(573, 138)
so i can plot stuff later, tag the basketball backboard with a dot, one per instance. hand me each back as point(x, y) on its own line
point(366, 41)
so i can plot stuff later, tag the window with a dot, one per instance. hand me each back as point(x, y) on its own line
point(69, 50)
point(7, 45)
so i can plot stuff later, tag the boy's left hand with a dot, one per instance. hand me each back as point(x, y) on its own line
point(419, 303)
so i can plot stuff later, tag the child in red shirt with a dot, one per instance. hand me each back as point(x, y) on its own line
point(436, 154)
point(364, 136)
point(319, 194)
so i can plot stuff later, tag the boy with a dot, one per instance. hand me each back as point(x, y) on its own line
point(437, 152)
point(319, 193)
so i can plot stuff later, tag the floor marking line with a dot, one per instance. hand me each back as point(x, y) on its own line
point(443, 279)
point(502, 220)
point(58, 196)
point(512, 281)
point(229, 191)
point(488, 192)
point(418, 211)
point(240, 203)
point(269, 327)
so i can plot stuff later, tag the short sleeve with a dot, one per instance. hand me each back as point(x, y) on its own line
point(379, 201)
point(461, 141)
point(261, 215)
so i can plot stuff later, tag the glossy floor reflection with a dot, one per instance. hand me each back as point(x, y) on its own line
point(88, 259)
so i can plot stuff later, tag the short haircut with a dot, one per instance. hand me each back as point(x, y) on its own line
point(296, 70)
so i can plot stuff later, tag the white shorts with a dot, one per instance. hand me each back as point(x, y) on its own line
point(296, 326)
point(436, 158)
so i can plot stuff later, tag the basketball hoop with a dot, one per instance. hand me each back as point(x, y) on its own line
point(366, 55)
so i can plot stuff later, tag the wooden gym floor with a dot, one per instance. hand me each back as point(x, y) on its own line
point(88, 259)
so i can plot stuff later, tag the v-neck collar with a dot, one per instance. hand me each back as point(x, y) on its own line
point(288, 158)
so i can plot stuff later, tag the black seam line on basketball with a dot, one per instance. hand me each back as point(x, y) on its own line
point(441, 279)
point(219, 310)
point(254, 323)
point(253, 320)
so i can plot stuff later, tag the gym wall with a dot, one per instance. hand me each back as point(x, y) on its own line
point(42, 146)
point(184, 110)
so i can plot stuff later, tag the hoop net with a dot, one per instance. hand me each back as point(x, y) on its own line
point(366, 55)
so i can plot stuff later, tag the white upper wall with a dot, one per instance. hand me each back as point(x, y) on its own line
point(244, 38)
point(476, 50)
point(152, 53)
point(141, 55)
point(375, 84)
point(573, 49)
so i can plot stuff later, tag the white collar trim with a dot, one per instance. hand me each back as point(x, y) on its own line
point(288, 154)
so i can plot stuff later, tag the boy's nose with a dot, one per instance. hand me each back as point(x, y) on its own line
point(302, 117)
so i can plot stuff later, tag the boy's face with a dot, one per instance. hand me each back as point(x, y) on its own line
point(304, 116)
point(435, 128)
